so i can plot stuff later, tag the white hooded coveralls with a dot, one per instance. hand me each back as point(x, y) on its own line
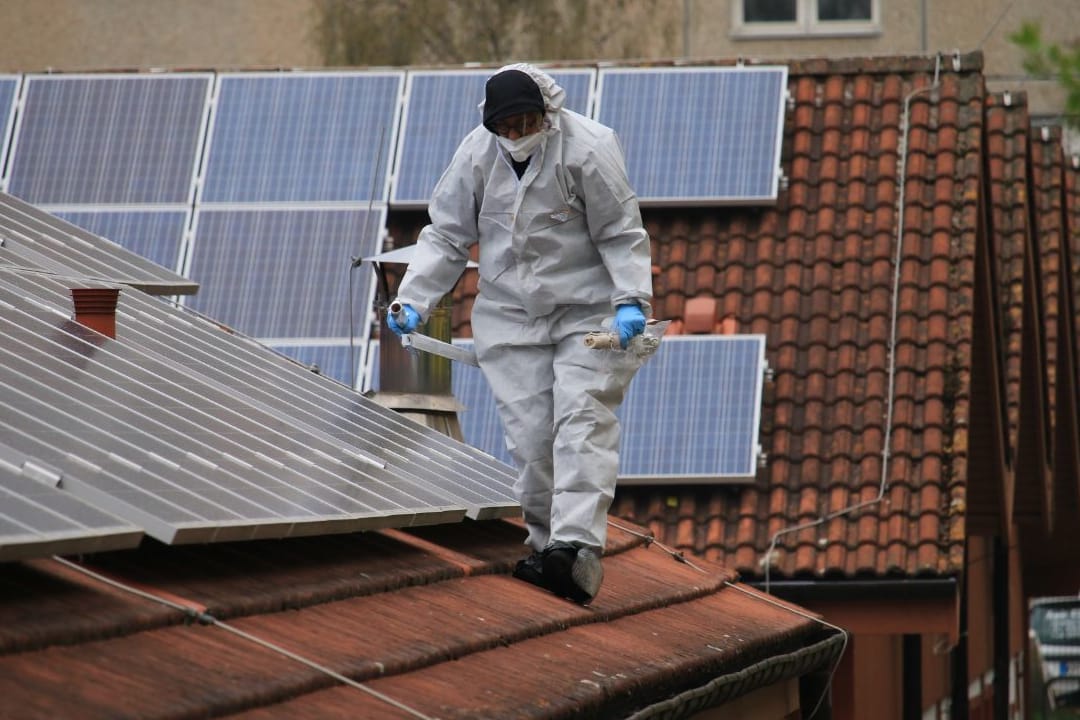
point(559, 250)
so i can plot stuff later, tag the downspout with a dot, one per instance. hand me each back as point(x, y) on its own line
point(924, 40)
point(958, 656)
point(1001, 628)
point(912, 681)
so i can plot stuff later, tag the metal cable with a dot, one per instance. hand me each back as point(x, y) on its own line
point(651, 540)
point(843, 646)
point(207, 619)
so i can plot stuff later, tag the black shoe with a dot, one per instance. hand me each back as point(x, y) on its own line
point(531, 570)
point(571, 572)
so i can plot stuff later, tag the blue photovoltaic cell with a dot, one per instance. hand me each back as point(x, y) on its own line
point(691, 414)
point(693, 410)
point(698, 135)
point(156, 235)
point(284, 273)
point(302, 137)
point(111, 139)
point(440, 111)
point(9, 85)
point(333, 361)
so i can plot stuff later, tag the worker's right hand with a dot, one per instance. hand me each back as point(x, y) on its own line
point(410, 320)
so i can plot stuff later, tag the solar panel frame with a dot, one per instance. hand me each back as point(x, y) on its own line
point(38, 519)
point(667, 434)
point(332, 358)
point(58, 153)
point(10, 86)
point(32, 238)
point(221, 165)
point(272, 315)
point(420, 161)
point(161, 240)
point(714, 421)
point(646, 133)
point(310, 431)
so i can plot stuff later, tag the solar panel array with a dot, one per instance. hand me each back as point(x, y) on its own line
point(295, 187)
point(703, 135)
point(116, 153)
point(157, 235)
point(190, 433)
point(109, 139)
point(32, 238)
point(9, 91)
point(441, 108)
point(691, 414)
point(39, 519)
point(302, 137)
point(224, 177)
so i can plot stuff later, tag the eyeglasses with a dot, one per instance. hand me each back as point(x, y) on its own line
point(523, 124)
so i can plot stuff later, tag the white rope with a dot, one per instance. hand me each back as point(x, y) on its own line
point(651, 540)
point(207, 618)
point(782, 606)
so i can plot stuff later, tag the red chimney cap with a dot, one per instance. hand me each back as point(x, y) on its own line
point(96, 308)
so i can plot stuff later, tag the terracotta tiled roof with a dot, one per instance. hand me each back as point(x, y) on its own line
point(815, 275)
point(428, 618)
point(1072, 213)
point(1047, 200)
point(1009, 221)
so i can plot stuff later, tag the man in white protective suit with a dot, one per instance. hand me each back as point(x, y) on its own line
point(544, 191)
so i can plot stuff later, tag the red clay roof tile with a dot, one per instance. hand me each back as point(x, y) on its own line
point(429, 618)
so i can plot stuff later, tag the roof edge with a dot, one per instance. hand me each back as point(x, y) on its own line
point(955, 61)
point(801, 591)
point(726, 688)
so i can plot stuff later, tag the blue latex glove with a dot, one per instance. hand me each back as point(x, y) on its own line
point(629, 321)
point(410, 323)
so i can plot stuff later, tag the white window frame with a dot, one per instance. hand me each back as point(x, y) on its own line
point(806, 23)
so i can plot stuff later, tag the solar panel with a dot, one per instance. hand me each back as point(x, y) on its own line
point(197, 435)
point(302, 137)
point(154, 235)
point(337, 361)
point(284, 273)
point(698, 135)
point(38, 519)
point(440, 110)
point(691, 414)
point(109, 139)
point(9, 93)
point(32, 238)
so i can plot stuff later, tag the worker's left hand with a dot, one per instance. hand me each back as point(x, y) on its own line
point(629, 321)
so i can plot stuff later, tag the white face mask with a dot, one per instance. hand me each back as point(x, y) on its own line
point(523, 147)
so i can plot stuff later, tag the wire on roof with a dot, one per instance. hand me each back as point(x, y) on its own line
point(679, 556)
point(194, 611)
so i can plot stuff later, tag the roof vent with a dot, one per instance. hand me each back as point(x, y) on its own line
point(96, 308)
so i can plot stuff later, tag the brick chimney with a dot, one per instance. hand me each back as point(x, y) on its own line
point(96, 308)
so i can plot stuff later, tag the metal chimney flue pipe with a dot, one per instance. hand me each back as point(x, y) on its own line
point(96, 308)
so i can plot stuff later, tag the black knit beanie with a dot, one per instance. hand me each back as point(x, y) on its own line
point(510, 93)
